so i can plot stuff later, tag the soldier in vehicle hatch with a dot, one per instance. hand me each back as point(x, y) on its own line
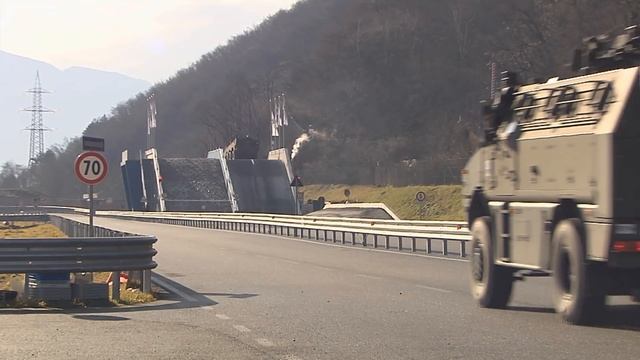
point(499, 111)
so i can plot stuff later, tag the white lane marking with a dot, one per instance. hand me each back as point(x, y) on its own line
point(323, 268)
point(434, 289)
point(163, 284)
point(264, 342)
point(223, 317)
point(291, 357)
point(369, 276)
point(241, 328)
point(211, 308)
point(291, 262)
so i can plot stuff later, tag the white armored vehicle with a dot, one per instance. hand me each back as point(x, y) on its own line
point(555, 188)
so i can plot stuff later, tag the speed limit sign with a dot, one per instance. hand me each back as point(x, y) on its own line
point(91, 167)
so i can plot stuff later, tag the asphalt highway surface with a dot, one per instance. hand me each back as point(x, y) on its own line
point(228, 295)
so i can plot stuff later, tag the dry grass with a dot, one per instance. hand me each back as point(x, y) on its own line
point(127, 296)
point(443, 202)
point(26, 229)
point(134, 296)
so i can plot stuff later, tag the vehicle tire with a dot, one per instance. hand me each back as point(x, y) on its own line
point(578, 290)
point(491, 284)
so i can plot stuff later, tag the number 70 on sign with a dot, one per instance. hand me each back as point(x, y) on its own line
point(91, 167)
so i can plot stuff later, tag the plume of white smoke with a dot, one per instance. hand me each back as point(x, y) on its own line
point(301, 140)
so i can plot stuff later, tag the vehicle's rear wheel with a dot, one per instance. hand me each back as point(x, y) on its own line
point(491, 284)
point(578, 293)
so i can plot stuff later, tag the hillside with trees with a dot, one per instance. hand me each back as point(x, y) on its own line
point(382, 83)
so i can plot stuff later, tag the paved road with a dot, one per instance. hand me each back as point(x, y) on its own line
point(246, 296)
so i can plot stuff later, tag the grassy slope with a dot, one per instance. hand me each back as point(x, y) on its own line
point(443, 202)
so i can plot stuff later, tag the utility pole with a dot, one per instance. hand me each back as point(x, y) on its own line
point(37, 129)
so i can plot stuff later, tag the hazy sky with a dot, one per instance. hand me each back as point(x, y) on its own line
point(147, 39)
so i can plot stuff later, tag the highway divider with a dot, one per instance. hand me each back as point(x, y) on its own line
point(445, 238)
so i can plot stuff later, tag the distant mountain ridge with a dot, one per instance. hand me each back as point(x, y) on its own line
point(78, 96)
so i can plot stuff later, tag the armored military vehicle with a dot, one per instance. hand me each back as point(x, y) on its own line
point(555, 188)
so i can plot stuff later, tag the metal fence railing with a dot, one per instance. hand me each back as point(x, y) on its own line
point(447, 238)
point(107, 251)
point(74, 228)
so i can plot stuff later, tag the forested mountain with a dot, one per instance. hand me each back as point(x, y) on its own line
point(379, 81)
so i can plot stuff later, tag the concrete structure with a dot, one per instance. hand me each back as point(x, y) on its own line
point(212, 184)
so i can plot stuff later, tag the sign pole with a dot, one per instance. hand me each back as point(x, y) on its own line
point(421, 198)
point(91, 229)
point(296, 183)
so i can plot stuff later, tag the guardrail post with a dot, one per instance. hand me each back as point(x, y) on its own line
point(428, 247)
point(386, 242)
point(375, 241)
point(463, 249)
point(146, 281)
point(364, 239)
point(342, 237)
point(445, 250)
point(400, 243)
point(115, 285)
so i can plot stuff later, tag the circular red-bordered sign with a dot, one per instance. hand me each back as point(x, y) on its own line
point(91, 167)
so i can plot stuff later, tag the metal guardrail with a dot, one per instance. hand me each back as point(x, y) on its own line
point(24, 217)
point(76, 255)
point(36, 209)
point(74, 228)
point(429, 237)
point(109, 251)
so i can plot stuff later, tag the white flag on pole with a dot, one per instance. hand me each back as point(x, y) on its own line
point(271, 112)
point(274, 121)
point(285, 120)
point(151, 114)
point(278, 112)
